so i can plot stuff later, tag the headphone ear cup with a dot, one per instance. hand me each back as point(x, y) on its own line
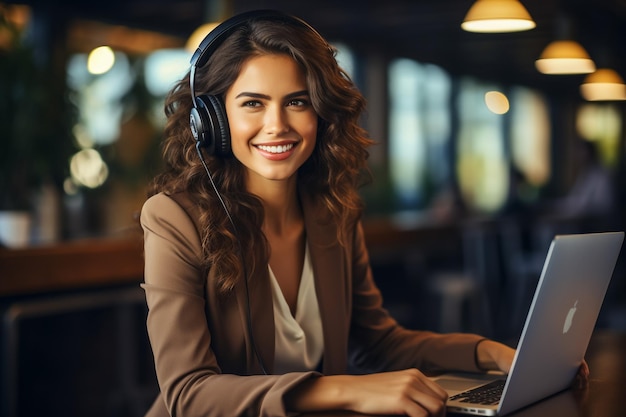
point(217, 113)
point(209, 125)
point(198, 123)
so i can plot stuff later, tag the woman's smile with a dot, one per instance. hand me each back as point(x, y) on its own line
point(276, 152)
point(272, 122)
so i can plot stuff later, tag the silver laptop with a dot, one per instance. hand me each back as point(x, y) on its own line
point(553, 342)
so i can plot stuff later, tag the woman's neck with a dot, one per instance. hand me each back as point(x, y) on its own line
point(281, 205)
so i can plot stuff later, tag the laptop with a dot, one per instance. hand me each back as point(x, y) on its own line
point(562, 316)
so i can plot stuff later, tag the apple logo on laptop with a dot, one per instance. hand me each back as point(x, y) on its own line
point(569, 318)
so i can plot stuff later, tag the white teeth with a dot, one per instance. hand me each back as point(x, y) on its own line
point(276, 149)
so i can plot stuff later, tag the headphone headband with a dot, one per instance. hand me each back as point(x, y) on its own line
point(215, 38)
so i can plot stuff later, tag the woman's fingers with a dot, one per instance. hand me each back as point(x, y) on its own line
point(431, 401)
point(402, 392)
point(582, 378)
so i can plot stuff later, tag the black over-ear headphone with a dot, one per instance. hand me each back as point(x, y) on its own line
point(208, 121)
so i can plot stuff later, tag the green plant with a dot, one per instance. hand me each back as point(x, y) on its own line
point(35, 120)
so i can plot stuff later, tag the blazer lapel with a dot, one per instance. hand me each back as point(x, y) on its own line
point(333, 289)
point(256, 308)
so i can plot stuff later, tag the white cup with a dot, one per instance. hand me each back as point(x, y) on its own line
point(15, 228)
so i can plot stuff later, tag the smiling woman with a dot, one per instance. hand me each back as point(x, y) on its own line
point(261, 215)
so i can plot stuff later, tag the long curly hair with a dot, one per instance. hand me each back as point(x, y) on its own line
point(332, 175)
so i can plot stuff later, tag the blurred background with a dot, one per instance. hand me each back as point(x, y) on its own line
point(483, 154)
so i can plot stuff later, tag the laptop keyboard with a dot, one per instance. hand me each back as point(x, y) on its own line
point(488, 394)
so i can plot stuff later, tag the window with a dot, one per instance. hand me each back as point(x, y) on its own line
point(481, 164)
point(601, 123)
point(530, 135)
point(419, 132)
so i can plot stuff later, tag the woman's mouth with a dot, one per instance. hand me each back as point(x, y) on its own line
point(276, 149)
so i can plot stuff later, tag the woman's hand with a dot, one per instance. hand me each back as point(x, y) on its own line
point(494, 356)
point(407, 392)
point(582, 377)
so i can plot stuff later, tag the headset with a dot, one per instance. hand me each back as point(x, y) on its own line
point(207, 119)
point(209, 124)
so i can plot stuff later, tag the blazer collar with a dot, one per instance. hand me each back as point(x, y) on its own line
point(329, 264)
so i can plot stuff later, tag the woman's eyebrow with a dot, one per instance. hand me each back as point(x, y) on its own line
point(266, 97)
point(297, 94)
point(252, 95)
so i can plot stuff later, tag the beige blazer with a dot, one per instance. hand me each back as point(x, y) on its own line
point(204, 360)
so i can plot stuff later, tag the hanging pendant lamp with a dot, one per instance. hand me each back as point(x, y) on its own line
point(603, 85)
point(565, 57)
point(493, 16)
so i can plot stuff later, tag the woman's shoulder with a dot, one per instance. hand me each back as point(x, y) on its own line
point(158, 202)
point(162, 215)
point(180, 199)
point(164, 207)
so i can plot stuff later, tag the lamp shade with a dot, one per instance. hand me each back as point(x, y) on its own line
point(491, 16)
point(565, 57)
point(603, 85)
point(198, 35)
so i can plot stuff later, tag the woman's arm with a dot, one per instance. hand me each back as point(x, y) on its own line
point(382, 344)
point(494, 356)
point(407, 392)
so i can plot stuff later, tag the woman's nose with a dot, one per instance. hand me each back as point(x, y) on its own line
point(276, 120)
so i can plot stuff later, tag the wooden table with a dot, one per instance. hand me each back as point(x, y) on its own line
point(80, 264)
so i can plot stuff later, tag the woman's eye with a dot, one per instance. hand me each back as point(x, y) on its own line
point(251, 103)
point(299, 102)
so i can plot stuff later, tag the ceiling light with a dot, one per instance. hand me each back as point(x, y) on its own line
point(491, 16)
point(100, 60)
point(497, 102)
point(198, 36)
point(565, 57)
point(603, 85)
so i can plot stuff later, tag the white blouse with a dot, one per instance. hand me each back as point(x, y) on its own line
point(299, 342)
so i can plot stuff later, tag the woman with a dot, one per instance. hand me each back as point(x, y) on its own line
point(259, 290)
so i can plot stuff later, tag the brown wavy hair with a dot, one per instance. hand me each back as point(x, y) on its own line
point(331, 175)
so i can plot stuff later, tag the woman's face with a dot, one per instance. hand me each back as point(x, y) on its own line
point(273, 126)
